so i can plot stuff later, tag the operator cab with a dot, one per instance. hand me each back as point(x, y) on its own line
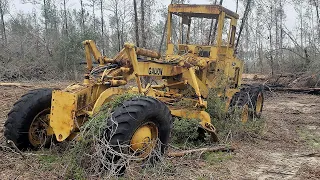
point(217, 36)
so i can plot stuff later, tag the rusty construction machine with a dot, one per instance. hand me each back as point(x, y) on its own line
point(187, 72)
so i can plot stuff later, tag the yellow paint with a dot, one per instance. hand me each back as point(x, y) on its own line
point(196, 83)
point(144, 139)
point(259, 103)
point(194, 114)
point(201, 10)
point(50, 131)
point(63, 107)
point(245, 114)
point(105, 97)
point(141, 137)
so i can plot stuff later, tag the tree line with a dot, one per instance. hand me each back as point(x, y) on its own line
point(46, 43)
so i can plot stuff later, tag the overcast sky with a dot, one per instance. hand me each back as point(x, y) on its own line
point(230, 4)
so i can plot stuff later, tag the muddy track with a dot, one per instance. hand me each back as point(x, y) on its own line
point(289, 147)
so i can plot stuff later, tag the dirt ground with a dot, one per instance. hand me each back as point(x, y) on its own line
point(289, 147)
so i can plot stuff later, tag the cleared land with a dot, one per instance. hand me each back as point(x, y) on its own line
point(288, 148)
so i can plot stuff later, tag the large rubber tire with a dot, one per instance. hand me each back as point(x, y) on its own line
point(127, 118)
point(17, 126)
point(249, 95)
point(240, 101)
point(255, 92)
point(234, 100)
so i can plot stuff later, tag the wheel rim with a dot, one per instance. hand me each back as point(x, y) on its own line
point(38, 129)
point(259, 103)
point(144, 140)
point(245, 113)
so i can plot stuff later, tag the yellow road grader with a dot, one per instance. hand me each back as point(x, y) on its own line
point(187, 72)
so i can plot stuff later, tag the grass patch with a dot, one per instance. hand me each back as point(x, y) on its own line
point(216, 157)
point(48, 161)
point(310, 138)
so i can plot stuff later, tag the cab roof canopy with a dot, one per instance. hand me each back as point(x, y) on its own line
point(201, 11)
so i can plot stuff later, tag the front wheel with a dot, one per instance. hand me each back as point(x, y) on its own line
point(141, 128)
point(137, 126)
point(28, 120)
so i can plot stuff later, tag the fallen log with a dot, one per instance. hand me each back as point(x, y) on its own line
point(298, 90)
point(15, 84)
point(202, 150)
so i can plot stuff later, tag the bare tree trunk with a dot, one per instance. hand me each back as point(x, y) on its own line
point(102, 27)
point(144, 36)
point(46, 39)
point(260, 54)
point(163, 33)
point(318, 18)
point(118, 25)
point(301, 26)
point(3, 30)
point(281, 31)
point(55, 23)
point(277, 31)
point(94, 16)
point(136, 23)
point(65, 18)
point(215, 27)
point(211, 26)
point(122, 27)
point(45, 17)
point(237, 6)
point(270, 41)
point(82, 16)
point(307, 57)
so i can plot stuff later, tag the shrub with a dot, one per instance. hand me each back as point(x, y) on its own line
point(184, 132)
point(229, 125)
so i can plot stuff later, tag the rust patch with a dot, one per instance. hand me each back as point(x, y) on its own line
point(81, 102)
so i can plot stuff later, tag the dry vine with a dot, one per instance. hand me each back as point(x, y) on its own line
point(95, 156)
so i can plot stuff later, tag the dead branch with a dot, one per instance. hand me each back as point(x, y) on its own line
point(5, 148)
point(201, 150)
point(11, 143)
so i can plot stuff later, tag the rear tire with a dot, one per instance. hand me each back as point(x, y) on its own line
point(239, 102)
point(33, 105)
point(256, 101)
point(251, 96)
